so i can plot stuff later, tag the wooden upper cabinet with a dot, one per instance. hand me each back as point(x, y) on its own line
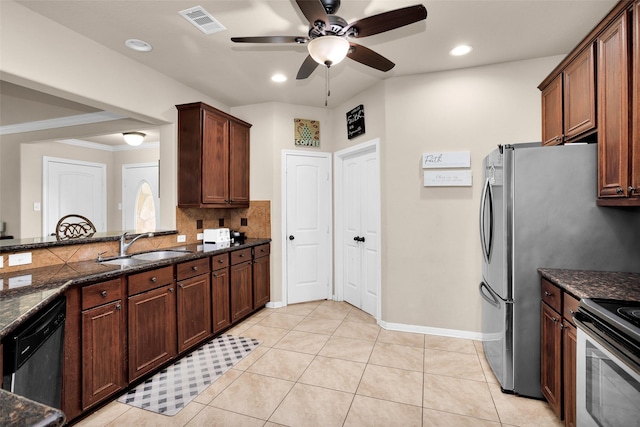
point(613, 109)
point(569, 101)
point(213, 158)
point(580, 94)
point(635, 108)
point(552, 112)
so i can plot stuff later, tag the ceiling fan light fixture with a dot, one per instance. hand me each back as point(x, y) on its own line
point(133, 138)
point(328, 50)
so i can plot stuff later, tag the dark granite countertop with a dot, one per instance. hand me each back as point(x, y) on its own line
point(17, 411)
point(595, 284)
point(24, 293)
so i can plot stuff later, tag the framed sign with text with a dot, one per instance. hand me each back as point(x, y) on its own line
point(355, 122)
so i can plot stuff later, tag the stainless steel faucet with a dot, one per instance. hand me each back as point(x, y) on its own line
point(124, 245)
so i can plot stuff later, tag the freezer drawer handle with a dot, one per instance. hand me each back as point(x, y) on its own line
point(491, 298)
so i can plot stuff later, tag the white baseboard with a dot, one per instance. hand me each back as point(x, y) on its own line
point(426, 330)
point(275, 304)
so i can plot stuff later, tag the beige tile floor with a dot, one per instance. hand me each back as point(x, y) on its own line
point(329, 364)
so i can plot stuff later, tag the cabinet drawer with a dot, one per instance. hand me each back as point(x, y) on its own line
point(188, 269)
point(101, 293)
point(219, 261)
point(569, 307)
point(262, 250)
point(552, 295)
point(152, 279)
point(240, 256)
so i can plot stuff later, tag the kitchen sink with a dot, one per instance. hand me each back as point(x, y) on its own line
point(158, 255)
point(122, 261)
point(143, 257)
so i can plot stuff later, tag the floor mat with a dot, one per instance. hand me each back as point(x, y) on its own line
point(168, 391)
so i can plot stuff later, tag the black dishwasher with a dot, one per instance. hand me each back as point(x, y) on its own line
point(33, 356)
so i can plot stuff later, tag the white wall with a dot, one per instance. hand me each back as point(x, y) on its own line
point(272, 132)
point(431, 260)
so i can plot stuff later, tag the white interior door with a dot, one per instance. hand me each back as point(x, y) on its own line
point(140, 197)
point(358, 227)
point(307, 226)
point(73, 187)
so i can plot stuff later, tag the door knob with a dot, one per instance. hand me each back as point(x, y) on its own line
point(291, 237)
point(357, 239)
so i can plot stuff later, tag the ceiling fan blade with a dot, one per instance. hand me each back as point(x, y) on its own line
point(270, 39)
point(314, 11)
point(366, 56)
point(307, 67)
point(386, 21)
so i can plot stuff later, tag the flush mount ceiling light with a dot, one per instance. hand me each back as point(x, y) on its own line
point(279, 78)
point(328, 50)
point(133, 138)
point(138, 45)
point(461, 50)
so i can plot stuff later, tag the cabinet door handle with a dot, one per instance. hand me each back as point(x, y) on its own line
point(241, 255)
point(181, 286)
point(154, 279)
point(194, 268)
point(632, 190)
point(118, 307)
point(171, 290)
point(547, 293)
point(291, 237)
point(554, 319)
point(619, 190)
point(221, 261)
point(104, 294)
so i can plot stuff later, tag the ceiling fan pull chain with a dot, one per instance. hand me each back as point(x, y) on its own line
point(327, 88)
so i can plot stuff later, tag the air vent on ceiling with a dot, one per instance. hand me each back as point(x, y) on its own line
point(202, 20)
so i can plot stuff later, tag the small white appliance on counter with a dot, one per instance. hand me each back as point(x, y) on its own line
point(220, 237)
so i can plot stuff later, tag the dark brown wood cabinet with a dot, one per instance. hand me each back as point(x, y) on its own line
point(220, 292)
point(580, 94)
point(103, 341)
point(261, 276)
point(151, 320)
point(241, 284)
point(558, 351)
point(634, 190)
point(552, 132)
point(193, 295)
point(569, 101)
point(213, 158)
point(613, 109)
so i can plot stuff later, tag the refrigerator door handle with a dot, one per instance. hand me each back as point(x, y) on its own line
point(486, 201)
point(489, 295)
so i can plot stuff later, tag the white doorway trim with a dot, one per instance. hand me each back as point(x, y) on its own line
point(284, 235)
point(339, 157)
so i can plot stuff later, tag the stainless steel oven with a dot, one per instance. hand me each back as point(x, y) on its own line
point(608, 363)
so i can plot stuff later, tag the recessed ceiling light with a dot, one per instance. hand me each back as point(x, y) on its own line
point(463, 49)
point(279, 78)
point(138, 45)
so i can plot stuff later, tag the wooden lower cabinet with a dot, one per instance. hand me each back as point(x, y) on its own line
point(569, 348)
point(261, 276)
point(103, 352)
point(193, 295)
point(220, 293)
point(194, 311)
point(241, 290)
point(152, 330)
point(558, 352)
point(551, 343)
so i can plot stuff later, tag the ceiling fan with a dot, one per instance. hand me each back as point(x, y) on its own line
point(328, 38)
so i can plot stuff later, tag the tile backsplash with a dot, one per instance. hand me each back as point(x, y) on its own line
point(254, 221)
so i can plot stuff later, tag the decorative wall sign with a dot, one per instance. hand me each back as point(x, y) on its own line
point(446, 159)
point(306, 132)
point(355, 122)
point(447, 178)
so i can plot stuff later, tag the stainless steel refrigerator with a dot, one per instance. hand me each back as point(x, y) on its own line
point(538, 209)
